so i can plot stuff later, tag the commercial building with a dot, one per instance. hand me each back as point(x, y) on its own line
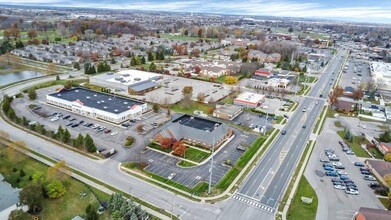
point(385, 148)
point(249, 100)
point(227, 112)
point(196, 130)
point(9, 198)
point(97, 105)
point(372, 214)
point(263, 72)
point(128, 81)
point(381, 73)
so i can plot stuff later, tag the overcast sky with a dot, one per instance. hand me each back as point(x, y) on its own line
point(378, 11)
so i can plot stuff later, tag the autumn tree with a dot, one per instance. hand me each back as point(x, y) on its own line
point(52, 68)
point(32, 196)
point(201, 97)
point(140, 128)
point(155, 107)
point(32, 34)
point(335, 94)
point(358, 93)
point(187, 90)
point(166, 143)
point(197, 69)
point(231, 80)
point(200, 32)
point(19, 214)
point(179, 148)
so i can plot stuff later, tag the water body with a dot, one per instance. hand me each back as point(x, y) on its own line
point(18, 76)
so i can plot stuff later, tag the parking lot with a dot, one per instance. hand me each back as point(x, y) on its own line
point(253, 120)
point(164, 165)
point(171, 90)
point(352, 76)
point(336, 203)
point(109, 136)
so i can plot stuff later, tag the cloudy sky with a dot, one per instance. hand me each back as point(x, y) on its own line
point(348, 10)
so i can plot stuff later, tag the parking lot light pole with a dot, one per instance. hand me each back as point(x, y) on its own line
point(267, 115)
point(211, 167)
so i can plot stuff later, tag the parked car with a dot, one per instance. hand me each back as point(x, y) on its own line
point(364, 169)
point(359, 164)
point(95, 126)
point(101, 149)
point(349, 152)
point(54, 119)
point(373, 185)
point(338, 183)
point(365, 172)
point(81, 122)
point(283, 132)
point(72, 119)
point(334, 158)
point(286, 116)
point(304, 126)
point(114, 133)
point(69, 124)
point(171, 176)
point(329, 168)
point(324, 160)
point(351, 191)
point(344, 177)
point(331, 173)
point(59, 114)
point(85, 124)
point(369, 177)
point(341, 172)
point(66, 117)
point(107, 131)
point(90, 124)
point(335, 180)
point(339, 187)
point(74, 125)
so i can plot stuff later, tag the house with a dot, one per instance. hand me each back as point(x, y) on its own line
point(9, 197)
point(249, 100)
point(344, 106)
point(259, 55)
point(379, 168)
point(227, 111)
point(348, 91)
point(263, 72)
point(274, 57)
point(196, 130)
point(385, 148)
point(372, 214)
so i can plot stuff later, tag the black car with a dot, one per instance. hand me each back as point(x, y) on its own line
point(69, 124)
point(286, 116)
point(365, 172)
point(72, 119)
point(74, 125)
point(89, 124)
point(101, 149)
point(283, 132)
point(81, 122)
point(373, 185)
point(304, 126)
point(66, 117)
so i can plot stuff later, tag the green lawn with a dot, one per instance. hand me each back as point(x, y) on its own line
point(303, 88)
point(220, 79)
point(376, 153)
point(158, 147)
point(184, 163)
point(187, 38)
point(230, 98)
point(56, 82)
point(385, 202)
point(299, 210)
point(307, 79)
point(196, 155)
point(67, 207)
point(319, 121)
point(179, 107)
point(357, 149)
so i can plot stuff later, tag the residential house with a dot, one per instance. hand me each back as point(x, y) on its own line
point(379, 169)
point(385, 148)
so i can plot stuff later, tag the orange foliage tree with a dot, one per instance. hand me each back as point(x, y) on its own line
point(179, 148)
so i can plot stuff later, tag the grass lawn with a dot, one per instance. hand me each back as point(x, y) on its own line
point(357, 149)
point(230, 98)
point(319, 121)
point(376, 153)
point(299, 210)
point(220, 79)
point(192, 107)
point(303, 88)
point(307, 79)
point(67, 207)
point(196, 155)
point(385, 202)
point(56, 82)
point(184, 163)
point(293, 106)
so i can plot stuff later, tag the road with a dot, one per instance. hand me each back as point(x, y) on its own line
point(261, 192)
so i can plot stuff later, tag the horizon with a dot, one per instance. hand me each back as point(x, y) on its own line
point(333, 10)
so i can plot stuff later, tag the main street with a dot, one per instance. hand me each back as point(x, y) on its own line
point(261, 192)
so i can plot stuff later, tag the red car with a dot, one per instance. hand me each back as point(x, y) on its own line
point(107, 131)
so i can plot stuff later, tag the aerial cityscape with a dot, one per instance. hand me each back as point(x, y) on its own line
point(209, 110)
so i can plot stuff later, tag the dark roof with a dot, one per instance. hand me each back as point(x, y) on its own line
point(98, 100)
point(381, 167)
point(373, 214)
point(349, 89)
point(143, 86)
point(196, 122)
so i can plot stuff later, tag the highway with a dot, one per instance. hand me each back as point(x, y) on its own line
point(259, 195)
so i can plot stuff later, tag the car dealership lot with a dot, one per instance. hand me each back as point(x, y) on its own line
point(334, 203)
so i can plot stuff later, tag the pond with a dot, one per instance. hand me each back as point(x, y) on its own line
point(8, 78)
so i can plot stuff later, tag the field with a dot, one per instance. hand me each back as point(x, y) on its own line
point(301, 33)
point(179, 107)
point(196, 155)
point(67, 207)
point(187, 38)
point(50, 35)
point(299, 210)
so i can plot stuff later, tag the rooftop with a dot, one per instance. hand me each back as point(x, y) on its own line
point(128, 77)
point(228, 108)
point(380, 67)
point(382, 167)
point(98, 100)
point(373, 214)
point(8, 196)
point(196, 122)
point(250, 97)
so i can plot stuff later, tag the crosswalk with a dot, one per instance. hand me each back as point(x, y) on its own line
point(254, 203)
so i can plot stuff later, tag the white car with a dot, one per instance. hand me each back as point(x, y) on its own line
point(171, 176)
point(341, 172)
point(339, 187)
point(351, 191)
point(54, 119)
point(337, 164)
point(114, 133)
point(95, 126)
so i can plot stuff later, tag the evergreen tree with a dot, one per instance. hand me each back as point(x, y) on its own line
point(79, 141)
point(143, 60)
point(19, 44)
point(32, 94)
point(76, 65)
point(138, 61)
point(91, 213)
point(66, 136)
point(89, 144)
point(150, 56)
point(152, 67)
point(133, 61)
point(113, 61)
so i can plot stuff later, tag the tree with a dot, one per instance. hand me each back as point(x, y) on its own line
point(57, 77)
point(32, 34)
point(166, 143)
point(187, 90)
point(66, 136)
point(143, 60)
point(200, 32)
point(133, 61)
point(150, 56)
point(19, 44)
point(358, 93)
point(19, 214)
point(156, 107)
point(32, 94)
point(231, 80)
point(68, 85)
point(335, 94)
point(32, 196)
point(197, 69)
point(387, 179)
point(112, 61)
point(140, 127)
point(89, 144)
point(385, 136)
point(179, 148)
point(389, 201)
point(55, 189)
point(201, 97)
point(76, 65)
point(152, 67)
point(91, 213)
point(387, 157)
point(79, 141)
point(290, 29)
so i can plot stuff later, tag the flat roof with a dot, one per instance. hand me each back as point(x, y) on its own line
point(250, 97)
point(229, 109)
point(128, 77)
point(196, 122)
point(382, 167)
point(98, 100)
point(380, 67)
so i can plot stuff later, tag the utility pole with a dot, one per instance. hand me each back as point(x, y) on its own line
point(211, 167)
point(267, 116)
